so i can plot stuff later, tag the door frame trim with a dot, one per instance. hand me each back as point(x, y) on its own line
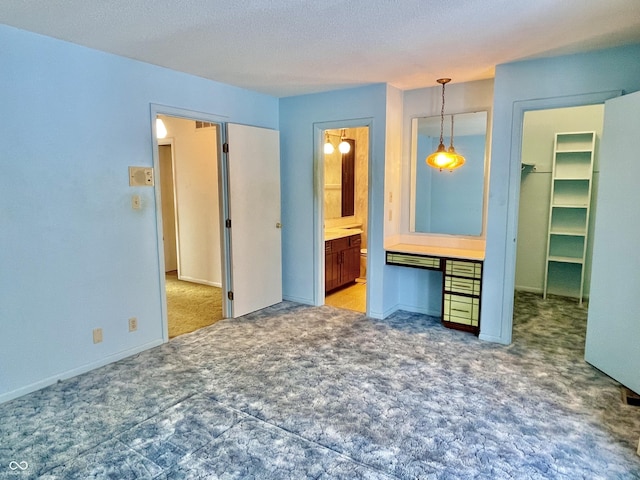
point(169, 142)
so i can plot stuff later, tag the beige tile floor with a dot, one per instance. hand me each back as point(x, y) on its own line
point(352, 297)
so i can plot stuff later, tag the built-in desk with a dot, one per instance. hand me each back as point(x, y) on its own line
point(462, 285)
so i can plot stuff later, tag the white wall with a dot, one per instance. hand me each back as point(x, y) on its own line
point(540, 127)
point(197, 201)
point(74, 256)
point(529, 85)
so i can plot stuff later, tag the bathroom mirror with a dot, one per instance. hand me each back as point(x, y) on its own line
point(448, 202)
point(339, 178)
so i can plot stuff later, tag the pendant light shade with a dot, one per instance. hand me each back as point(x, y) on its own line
point(161, 130)
point(344, 146)
point(328, 146)
point(443, 157)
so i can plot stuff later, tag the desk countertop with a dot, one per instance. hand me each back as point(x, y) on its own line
point(447, 252)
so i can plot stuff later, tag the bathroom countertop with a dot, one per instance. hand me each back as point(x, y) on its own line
point(333, 233)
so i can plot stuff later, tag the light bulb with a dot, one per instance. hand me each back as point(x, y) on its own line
point(344, 147)
point(328, 148)
point(161, 130)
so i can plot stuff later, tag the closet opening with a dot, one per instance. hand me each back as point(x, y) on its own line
point(556, 216)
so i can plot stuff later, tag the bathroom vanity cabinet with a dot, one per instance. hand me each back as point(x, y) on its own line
point(342, 261)
point(462, 280)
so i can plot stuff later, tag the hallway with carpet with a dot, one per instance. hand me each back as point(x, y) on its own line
point(190, 306)
point(299, 392)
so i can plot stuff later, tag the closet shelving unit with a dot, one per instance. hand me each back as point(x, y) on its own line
point(569, 207)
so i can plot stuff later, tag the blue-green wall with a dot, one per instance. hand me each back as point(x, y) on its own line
point(73, 254)
point(298, 115)
point(543, 83)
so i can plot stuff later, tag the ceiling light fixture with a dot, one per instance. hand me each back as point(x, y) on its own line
point(161, 130)
point(328, 146)
point(445, 158)
point(344, 146)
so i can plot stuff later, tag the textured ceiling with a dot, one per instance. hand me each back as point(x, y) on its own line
point(291, 47)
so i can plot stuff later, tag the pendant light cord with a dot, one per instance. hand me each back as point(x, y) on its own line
point(451, 139)
point(442, 117)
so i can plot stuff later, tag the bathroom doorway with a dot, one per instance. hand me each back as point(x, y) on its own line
point(345, 211)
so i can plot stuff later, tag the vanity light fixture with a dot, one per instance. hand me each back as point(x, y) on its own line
point(328, 146)
point(442, 157)
point(344, 146)
point(161, 130)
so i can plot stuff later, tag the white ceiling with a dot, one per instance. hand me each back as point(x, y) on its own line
point(291, 47)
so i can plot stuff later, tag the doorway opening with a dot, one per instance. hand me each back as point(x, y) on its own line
point(188, 177)
point(345, 212)
point(556, 218)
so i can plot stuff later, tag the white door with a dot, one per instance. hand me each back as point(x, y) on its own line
point(613, 326)
point(254, 209)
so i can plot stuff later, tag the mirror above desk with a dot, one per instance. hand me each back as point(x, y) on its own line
point(442, 201)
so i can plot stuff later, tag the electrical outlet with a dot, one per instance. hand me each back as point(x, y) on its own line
point(133, 324)
point(97, 335)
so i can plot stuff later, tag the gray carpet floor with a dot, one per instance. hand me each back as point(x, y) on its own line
point(298, 392)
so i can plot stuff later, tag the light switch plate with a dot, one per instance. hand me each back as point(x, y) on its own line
point(141, 177)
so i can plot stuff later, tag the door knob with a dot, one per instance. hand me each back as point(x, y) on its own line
point(278, 225)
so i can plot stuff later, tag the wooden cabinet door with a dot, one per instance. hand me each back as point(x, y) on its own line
point(341, 261)
point(351, 265)
point(332, 270)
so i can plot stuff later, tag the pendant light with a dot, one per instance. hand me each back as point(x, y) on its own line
point(344, 146)
point(445, 158)
point(161, 130)
point(328, 146)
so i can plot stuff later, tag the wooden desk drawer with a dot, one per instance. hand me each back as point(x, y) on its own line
point(463, 268)
point(409, 260)
point(469, 286)
point(463, 310)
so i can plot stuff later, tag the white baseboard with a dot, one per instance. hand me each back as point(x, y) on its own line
point(200, 281)
point(5, 397)
point(537, 290)
point(491, 338)
point(422, 310)
point(304, 301)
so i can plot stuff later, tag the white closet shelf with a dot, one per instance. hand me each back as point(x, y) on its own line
point(569, 207)
point(564, 259)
